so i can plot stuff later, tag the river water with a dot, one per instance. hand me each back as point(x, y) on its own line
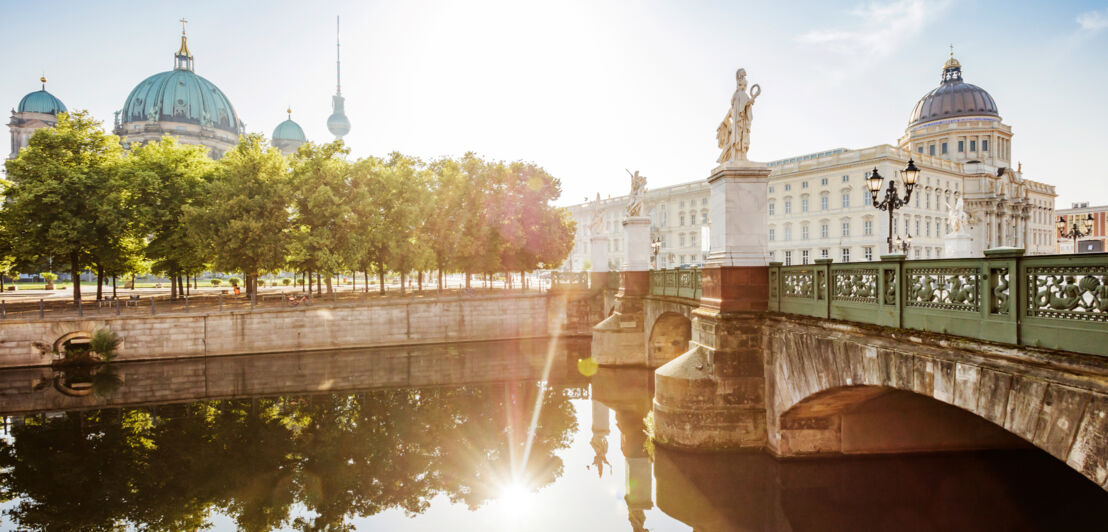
point(479, 436)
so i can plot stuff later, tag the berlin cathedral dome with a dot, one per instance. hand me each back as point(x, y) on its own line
point(181, 103)
point(953, 98)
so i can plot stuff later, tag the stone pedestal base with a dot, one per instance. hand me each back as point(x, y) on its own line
point(619, 339)
point(713, 396)
point(957, 246)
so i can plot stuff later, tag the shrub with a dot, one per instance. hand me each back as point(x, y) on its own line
point(215, 282)
point(300, 282)
point(104, 343)
point(261, 282)
point(235, 281)
point(286, 281)
point(49, 277)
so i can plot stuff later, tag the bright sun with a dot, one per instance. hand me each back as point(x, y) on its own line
point(515, 499)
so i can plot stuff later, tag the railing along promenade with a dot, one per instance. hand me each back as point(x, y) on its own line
point(1052, 301)
point(206, 301)
point(580, 280)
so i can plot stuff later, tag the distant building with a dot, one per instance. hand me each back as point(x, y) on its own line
point(819, 205)
point(288, 136)
point(36, 110)
point(1097, 239)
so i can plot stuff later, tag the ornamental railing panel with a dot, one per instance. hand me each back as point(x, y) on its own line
point(569, 280)
point(1052, 301)
point(681, 283)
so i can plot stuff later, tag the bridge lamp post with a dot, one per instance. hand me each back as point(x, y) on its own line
point(903, 244)
point(1080, 228)
point(892, 200)
point(655, 247)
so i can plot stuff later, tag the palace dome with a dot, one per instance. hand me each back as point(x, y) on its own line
point(953, 98)
point(41, 101)
point(180, 95)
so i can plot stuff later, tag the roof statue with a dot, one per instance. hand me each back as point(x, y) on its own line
point(956, 216)
point(733, 133)
point(597, 223)
point(638, 194)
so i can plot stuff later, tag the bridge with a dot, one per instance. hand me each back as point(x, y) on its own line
point(891, 356)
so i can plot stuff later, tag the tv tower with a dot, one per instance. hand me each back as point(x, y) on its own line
point(337, 123)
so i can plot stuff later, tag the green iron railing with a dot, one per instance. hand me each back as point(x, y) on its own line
point(566, 280)
point(684, 283)
point(1053, 301)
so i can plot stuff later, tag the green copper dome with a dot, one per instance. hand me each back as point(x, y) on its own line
point(180, 96)
point(41, 102)
point(289, 130)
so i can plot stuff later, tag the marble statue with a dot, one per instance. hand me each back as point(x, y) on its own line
point(638, 194)
point(957, 217)
point(733, 133)
point(597, 223)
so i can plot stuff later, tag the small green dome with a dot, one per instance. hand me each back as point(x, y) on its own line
point(41, 102)
point(180, 95)
point(289, 130)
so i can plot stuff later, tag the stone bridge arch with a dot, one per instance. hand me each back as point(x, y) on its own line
point(835, 388)
point(667, 330)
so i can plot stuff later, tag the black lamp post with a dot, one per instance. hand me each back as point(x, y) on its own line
point(655, 247)
point(1079, 228)
point(892, 200)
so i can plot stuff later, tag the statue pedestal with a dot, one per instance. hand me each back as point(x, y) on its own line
point(958, 246)
point(598, 256)
point(618, 340)
point(636, 231)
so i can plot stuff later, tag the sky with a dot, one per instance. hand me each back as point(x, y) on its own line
point(587, 89)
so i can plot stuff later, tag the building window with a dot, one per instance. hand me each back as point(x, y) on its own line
point(692, 239)
point(846, 200)
point(804, 257)
point(944, 148)
point(788, 258)
point(803, 204)
point(867, 227)
point(931, 150)
point(823, 181)
point(704, 217)
point(921, 149)
point(868, 252)
point(788, 234)
point(928, 250)
point(771, 189)
point(846, 255)
point(846, 179)
point(615, 244)
point(772, 234)
point(824, 231)
point(917, 226)
point(771, 209)
point(681, 239)
point(866, 196)
point(846, 228)
point(823, 203)
point(772, 255)
point(788, 187)
point(928, 227)
point(703, 202)
point(804, 185)
point(973, 145)
point(927, 197)
point(804, 232)
point(788, 206)
point(681, 220)
point(961, 146)
point(824, 253)
point(985, 145)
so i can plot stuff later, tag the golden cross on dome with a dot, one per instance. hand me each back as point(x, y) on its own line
point(183, 22)
point(951, 50)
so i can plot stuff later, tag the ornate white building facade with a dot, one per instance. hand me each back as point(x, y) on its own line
point(819, 205)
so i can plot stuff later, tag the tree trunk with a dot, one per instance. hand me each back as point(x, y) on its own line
point(329, 287)
point(188, 285)
point(419, 281)
point(403, 279)
point(113, 287)
point(467, 280)
point(172, 286)
point(99, 282)
point(366, 274)
point(381, 278)
point(523, 280)
point(76, 273)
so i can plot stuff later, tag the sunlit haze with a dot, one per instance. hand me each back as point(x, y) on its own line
point(587, 89)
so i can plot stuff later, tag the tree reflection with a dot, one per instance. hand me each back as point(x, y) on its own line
point(340, 456)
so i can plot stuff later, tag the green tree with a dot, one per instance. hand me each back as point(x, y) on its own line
point(321, 208)
point(242, 221)
point(64, 196)
point(166, 177)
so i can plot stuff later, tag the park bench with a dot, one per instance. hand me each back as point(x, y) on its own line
point(133, 301)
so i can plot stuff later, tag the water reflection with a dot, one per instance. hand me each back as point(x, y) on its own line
point(268, 443)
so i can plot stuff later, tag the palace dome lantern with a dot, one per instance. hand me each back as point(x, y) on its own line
point(36, 110)
point(181, 103)
point(288, 136)
point(953, 98)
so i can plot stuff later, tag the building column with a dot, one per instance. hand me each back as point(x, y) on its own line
point(713, 396)
point(620, 340)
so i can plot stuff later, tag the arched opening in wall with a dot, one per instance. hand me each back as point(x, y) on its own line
point(73, 345)
point(879, 420)
point(668, 338)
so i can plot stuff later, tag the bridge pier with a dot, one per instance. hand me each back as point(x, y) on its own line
point(712, 397)
point(618, 339)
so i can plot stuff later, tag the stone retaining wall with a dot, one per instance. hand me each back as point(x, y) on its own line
point(404, 322)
